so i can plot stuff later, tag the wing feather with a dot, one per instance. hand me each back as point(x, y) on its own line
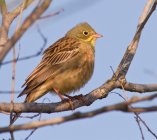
point(54, 57)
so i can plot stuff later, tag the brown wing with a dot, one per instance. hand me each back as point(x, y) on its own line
point(54, 56)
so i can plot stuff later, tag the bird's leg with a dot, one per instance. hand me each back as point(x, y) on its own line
point(63, 99)
point(60, 95)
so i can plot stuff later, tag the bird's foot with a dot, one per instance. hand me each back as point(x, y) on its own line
point(69, 100)
point(77, 97)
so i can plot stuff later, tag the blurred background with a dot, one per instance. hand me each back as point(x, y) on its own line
point(117, 22)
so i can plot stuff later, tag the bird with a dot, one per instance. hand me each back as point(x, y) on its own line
point(66, 66)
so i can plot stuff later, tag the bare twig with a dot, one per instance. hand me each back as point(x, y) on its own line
point(3, 8)
point(52, 14)
point(131, 50)
point(14, 69)
point(8, 92)
point(36, 13)
point(4, 25)
point(138, 122)
point(33, 55)
point(98, 93)
point(88, 99)
point(13, 14)
point(39, 114)
point(140, 88)
point(149, 130)
point(64, 106)
point(33, 129)
point(138, 119)
point(75, 116)
point(12, 135)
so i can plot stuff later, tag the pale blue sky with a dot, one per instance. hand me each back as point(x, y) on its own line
point(117, 21)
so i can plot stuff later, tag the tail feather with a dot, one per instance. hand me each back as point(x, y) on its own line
point(26, 90)
point(32, 94)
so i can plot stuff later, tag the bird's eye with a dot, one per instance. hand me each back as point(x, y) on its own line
point(85, 33)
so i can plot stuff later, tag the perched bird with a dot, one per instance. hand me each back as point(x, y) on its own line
point(66, 66)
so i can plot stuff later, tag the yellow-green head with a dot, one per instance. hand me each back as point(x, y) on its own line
point(85, 33)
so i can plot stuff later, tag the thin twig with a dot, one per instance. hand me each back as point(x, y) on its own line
point(140, 128)
point(75, 116)
point(64, 106)
point(9, 92)
point(14, 67)
point(140, 88)
point(99, 93)
point(52, 14)
point(3, 8)
point(33, 55)
point(138, 120)
point(39, 114)
point(149, 130)
point(131, 50)
point(33, 129)
point(36, 13)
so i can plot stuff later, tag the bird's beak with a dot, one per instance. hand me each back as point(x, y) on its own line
point(97, 35)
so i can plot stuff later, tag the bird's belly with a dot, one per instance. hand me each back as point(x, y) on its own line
point(73, 79)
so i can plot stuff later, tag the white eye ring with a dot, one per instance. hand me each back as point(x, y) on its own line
point(85, 33)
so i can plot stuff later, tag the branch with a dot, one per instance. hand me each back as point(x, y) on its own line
point(86, 100)
point(4, 25)
point(3, 8)
point(7, 19)
point(139, 125)
point(149, 130)
point(64, 105)
point(99, 93)
point(124, 106)
point(52, 14)
point(36, 13)
point(8, 92)
point(30, 56)
point(16, 11)
point(131, 50)
point(140, 88)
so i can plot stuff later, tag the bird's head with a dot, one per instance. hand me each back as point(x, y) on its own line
point(84, 32)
